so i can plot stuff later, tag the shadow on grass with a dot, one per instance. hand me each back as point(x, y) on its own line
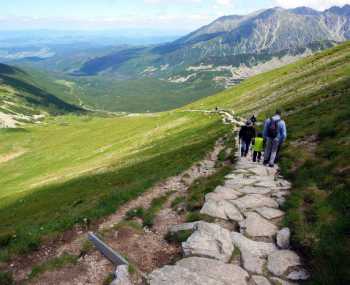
point(39, 96)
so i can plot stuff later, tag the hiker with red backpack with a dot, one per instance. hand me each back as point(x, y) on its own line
point(275, 133)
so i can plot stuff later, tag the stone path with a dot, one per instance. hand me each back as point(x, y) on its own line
point(257, 252)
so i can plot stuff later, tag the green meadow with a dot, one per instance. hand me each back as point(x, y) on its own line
point(74, 168)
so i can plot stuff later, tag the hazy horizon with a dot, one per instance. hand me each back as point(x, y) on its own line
point(155, 17)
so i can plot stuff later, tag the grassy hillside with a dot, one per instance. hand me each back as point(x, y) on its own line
point(72, 168)
point(140, 95)
point(315, 96)
point(55, 175)
point(21, 93)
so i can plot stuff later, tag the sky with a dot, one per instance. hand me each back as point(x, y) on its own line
point(172, 16)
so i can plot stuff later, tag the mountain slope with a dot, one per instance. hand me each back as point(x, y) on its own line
point(77, 168)
point(210, 59)
point(269, 31)
point(21, 99)
point(314, 95)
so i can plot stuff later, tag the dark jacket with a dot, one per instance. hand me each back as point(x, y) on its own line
point(247, 133)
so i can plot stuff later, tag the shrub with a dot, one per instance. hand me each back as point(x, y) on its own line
point(178, 237)
point(6, 278)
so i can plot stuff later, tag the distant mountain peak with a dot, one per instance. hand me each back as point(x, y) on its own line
point(344, 11)
point(304, 11)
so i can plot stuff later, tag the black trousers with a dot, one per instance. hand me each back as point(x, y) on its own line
point(256, 155)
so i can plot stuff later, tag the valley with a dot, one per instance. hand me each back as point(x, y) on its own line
point(90, 136)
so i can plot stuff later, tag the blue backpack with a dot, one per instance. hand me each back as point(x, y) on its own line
point(272, 131)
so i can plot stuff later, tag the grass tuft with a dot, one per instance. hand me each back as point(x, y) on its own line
point(53, 264)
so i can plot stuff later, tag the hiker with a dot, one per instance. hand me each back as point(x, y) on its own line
point(246, 135)
point(275, 133)
point(258, 147)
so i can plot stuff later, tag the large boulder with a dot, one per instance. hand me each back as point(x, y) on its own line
point(256, 226)
point(198, 271)
point(254, 201)
point(253, 254)
point(222, 209)
point(280, 261)
point(209, 240)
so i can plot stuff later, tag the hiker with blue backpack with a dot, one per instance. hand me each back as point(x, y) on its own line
point(275, 133)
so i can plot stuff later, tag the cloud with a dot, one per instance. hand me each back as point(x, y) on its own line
point(316, 4)
point(224, 2)
point(168, 2)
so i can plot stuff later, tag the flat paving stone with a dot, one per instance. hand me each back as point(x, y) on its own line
point(229, 191)
point(199, 271)
point(209, 240)
point(270, 213)
point(253, 253)
point(267, 183)
point(254, 190)
point(222, 209)
point(256, 226)
point(254, 201)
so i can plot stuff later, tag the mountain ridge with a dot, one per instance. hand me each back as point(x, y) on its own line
point(266, 31)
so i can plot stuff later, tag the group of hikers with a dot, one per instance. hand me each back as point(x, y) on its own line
point(269, 141)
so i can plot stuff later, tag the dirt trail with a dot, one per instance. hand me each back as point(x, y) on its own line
point(147, 249)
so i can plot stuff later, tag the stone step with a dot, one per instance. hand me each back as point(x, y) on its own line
point(222, 209)
point(199, 271)
point(253, 254)
point(209, 240)
point(256, 226)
